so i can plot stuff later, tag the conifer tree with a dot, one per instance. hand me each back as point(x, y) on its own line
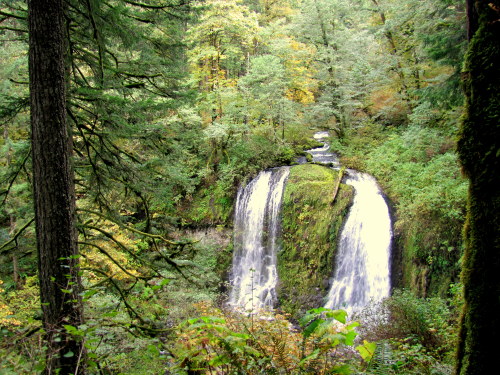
point(54, 192)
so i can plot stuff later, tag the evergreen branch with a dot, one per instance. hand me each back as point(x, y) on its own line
point(132, 157)
point(150, 235)
point(11, 15)
point(13, 29)
point(134, 75)
point(85, 109)
point(7, 113)
point(98, 39)
point(166, 258)
point(77, 11)
point(128, 251)
point(131, 311)
point(143, 20)
point(103, 251)
point(148, 6)
point(161, 92)
point(112, 238)
point(104, 143)
point(14, 238)
point(19, 82)
point(87, 143)
point(108, 51)
point(76, 68)
point(13, 179)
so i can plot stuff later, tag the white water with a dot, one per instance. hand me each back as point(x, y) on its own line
point(254, 275)
point(323, 154)
point(362, 270)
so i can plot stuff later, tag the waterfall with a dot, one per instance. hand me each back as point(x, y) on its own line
point(363, 256)
point(256, 228)
point(362, 269)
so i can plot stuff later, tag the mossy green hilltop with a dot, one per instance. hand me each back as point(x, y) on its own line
point(312, 217)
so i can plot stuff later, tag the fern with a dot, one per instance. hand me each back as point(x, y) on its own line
point(382, 362)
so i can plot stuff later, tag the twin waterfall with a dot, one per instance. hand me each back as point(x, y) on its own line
point(363, 255)
point(256, 226)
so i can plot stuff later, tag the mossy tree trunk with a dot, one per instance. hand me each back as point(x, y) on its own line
point(480, 156)
point(53, 187)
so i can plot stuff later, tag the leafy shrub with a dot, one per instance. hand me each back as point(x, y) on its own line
point(225, 342)
point(416, 335)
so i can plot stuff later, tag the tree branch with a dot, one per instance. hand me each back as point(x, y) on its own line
point(103, 251)
point(11, 183)
point(11, 15)
point(14, 239)
point(147, 6)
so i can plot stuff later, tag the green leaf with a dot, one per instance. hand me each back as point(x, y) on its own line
point(69, 328)
point(349, 337)
point(219, 360)
point(367, 350)
point(309, 330)
point(339, 315)
point(341, 370)
point(89, 293)
point(310, 357)
point(311, 315)
point(69, 354)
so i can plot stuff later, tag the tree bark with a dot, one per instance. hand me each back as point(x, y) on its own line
point(53, 185)
point(479, 152)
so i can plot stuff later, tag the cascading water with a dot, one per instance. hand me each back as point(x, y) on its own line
point(362, 270)
point(363, 256)
point(256, 228)
point(323, 154)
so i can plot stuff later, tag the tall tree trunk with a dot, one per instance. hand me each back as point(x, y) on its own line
point(480, 156)
point(53, 182)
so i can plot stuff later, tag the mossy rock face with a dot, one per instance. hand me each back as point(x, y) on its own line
point(311, 223)
point(208, 207)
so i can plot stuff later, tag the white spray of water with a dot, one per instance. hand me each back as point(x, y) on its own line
point(256, 228)
point(362, 270)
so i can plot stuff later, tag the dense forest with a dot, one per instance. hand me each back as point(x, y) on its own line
point(130, 126)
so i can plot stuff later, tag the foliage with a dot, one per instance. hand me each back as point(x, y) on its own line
point(230, 343)
point(413, 335)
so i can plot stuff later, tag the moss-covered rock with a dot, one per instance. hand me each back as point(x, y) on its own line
point(312, 219)
point(207, 207)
